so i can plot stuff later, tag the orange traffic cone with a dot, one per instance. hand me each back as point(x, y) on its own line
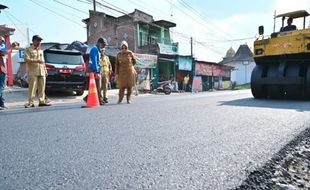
point(92, 97)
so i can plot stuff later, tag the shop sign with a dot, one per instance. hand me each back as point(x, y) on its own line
point(168, 49)
point(211, 70)
point(145, 60)
point(185, 63)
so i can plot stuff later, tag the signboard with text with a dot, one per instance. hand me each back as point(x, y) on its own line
point(208, 69)
point(168, 49)
point(185, 63)
point(145, 60)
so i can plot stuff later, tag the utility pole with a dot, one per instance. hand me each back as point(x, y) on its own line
point(212, 77)
point(171, 18)
point(192, 46)
point(94, 3)
point(274, 21)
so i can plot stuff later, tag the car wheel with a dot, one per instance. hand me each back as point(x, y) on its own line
point(79, 92)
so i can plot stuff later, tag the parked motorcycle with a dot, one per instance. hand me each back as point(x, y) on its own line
point(164, 86)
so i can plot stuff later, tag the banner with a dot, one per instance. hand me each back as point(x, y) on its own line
point(208, 69)
point(145, 60)
point(168, 49)
point(197, 84)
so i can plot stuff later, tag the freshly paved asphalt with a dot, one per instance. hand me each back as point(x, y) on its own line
point(190, 141)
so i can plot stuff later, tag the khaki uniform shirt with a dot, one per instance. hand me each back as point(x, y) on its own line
point(124, 68)
point(105, 64)
point(32, 57)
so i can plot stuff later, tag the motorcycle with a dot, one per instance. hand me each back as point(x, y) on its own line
point(164, 86)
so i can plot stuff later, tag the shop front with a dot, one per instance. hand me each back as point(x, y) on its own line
point(212, 74)
point(144, 68)
point(184, 67)
point(166, 69)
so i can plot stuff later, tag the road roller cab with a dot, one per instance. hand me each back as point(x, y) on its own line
point(283, 60)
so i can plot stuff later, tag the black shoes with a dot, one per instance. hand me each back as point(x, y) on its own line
point(44, 104)
point(105, 100)
point(3, 107)
point(29, 106)
point(128, 102)
point(40, 105)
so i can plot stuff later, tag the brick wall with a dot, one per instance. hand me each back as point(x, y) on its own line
point(116, 29)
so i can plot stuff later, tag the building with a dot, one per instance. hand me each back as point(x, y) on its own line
point(211, 75)
point(242, 63)
point(149, 39)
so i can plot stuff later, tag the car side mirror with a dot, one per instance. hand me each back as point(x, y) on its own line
point(261, 30)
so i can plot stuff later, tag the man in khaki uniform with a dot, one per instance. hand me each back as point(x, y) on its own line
point(106, 70)
point(36, 72)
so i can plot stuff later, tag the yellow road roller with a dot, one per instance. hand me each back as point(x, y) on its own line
point(282, 60)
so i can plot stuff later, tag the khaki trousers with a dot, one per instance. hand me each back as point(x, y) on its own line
point(122, 93)
point(104, 85)
point(36, 83)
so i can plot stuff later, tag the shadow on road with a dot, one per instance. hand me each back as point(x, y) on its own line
point(62, 94)
point(53, 108)
point(297, 105)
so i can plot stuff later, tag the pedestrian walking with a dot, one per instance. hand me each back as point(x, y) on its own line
point(36, 72)
point(106, 70)
point(95, 67)
point(125, 72)
point(2, 74)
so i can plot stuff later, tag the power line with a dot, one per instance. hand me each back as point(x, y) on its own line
point(122, 10)
point(81, 11)
point(7, 15)
point(202, 17)
point(62, 16)
point(227, 41)
point(117, 9)
point(10, 14)
point(91, 2)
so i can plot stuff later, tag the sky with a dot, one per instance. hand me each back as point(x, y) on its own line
point(215, 26)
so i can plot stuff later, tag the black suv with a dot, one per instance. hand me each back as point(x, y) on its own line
point(66, 70)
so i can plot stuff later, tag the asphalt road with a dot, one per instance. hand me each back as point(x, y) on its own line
point(189, 141)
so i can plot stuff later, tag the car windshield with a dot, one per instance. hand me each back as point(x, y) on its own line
point(63, 58)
